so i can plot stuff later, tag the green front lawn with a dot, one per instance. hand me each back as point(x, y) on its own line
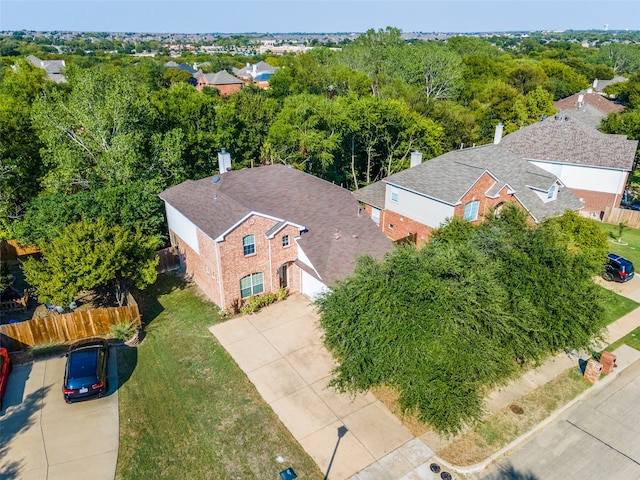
point(616, 306)
point(186, 409)
point(631, 236)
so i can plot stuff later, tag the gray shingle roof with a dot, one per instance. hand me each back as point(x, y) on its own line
point(326, 210)
point(563, 139)
point(448, 177)
point(219, 78)
point(372, 194)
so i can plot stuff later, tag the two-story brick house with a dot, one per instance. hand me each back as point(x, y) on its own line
point(245, 232)
point(469, 183)
point(222, 80)
point(595, 166)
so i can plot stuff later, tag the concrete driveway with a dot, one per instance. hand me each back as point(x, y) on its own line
point(597, 438)
point(44, 438)
point(280, 349)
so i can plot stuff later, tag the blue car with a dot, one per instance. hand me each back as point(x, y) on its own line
point(85, 374)
point(618, 268)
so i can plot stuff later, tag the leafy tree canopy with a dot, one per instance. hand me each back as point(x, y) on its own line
point(444, 323)
point(85, 255)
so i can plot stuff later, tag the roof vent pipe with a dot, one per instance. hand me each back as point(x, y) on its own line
point(224, 161)
point(498, 135)
point(416, 158)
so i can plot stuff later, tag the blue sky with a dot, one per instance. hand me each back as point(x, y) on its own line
point(208, 16)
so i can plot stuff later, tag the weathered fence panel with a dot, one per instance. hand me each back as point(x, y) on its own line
point(16, 304)
point(168, 259)
point(615, 216)
point(10, 250)
point(67, 326)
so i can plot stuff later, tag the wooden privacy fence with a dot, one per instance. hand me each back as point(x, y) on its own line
point(615, 216)
point(67, 326)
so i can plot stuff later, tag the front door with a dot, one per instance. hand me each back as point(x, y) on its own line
point(283, 274)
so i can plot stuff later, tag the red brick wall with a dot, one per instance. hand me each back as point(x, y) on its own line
point(212, 277)
point(597, 201)
point(402, 225)
point(478, 192)
point(223, 89)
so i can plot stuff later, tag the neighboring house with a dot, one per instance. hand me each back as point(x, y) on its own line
point(595, 166)
point(259, 74)
point(222, 80)
point(245, 232)
point(180, 66)
point(469, 183)
point(588, 107)
point(54, 68)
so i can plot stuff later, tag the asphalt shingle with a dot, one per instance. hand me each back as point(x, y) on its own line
point(337, 232)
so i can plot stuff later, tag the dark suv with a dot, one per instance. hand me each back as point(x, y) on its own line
point(85, 375)
point(618, 268)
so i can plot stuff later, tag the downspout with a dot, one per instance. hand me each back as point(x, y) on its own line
point(270, 268)
point(615, 199)
point(219, 269)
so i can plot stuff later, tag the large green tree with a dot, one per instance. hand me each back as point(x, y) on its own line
point(444, 323)
point(85, 255)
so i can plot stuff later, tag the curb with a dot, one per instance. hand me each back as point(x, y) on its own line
point(478, 467)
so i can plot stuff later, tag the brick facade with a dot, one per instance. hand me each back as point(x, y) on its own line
point(220, 266)
point(478, 192)
point(597, 202)
point(396, 226)
point(223, 89)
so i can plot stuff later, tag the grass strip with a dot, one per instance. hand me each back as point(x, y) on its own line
point(186, 409)
point(497, 431)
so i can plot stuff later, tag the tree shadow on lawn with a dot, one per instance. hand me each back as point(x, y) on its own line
point(22, 416)
point(147, 299)
point(127, 359)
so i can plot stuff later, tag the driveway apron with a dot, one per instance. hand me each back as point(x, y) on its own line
point(280, 349)
point(45, 438)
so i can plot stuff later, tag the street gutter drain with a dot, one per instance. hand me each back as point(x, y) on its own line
point(517, 409)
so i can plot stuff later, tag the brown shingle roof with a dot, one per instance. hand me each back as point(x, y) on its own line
point(563, 139)
point(600, 103)
point(337, 233)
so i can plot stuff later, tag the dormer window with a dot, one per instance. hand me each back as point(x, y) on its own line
point(552, 193)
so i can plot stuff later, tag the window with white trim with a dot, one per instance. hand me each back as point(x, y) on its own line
point(394, 194)
point(471, 210)
point(285, 240)
point(249, 245)
point(251, 285)
point(551, 194)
